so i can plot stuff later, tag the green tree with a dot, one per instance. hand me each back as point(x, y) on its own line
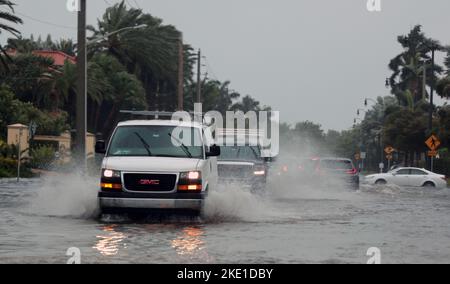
point(7, 18)
point(31, 79)
point(247, 104)
point(67, 46)
point(14, 111)
point(111, 89)
point(408, 67)
point(22, 45)
point(151, 53)
point(443, 86)
point(406, 130)
point(216, 96)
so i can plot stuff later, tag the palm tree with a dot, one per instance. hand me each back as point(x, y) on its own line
point(443, 86)
point(408, 67)
point(247, 104)
point(151, 53)
point(30, 79)
point(110, 89)
point(7, 17)
point(66, 46)
point(22, 45)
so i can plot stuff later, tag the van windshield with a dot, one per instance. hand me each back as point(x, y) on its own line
point(154, 141)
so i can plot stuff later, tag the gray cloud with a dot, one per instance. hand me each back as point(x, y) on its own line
point(311, 59)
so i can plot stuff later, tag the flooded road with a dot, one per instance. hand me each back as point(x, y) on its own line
point(42, 219)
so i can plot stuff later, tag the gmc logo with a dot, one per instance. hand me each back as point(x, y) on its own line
point(149, 182)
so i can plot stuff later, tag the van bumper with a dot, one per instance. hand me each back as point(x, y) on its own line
point(176, 201)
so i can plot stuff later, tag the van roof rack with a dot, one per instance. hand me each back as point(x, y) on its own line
point(148, 113)
point(158, 114)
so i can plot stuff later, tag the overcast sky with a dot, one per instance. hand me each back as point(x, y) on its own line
point(310, 59)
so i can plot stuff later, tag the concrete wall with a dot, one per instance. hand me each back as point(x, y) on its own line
point(64, 141)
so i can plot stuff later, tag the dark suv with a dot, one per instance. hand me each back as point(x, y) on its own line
point(242, 165)
point(337, 170)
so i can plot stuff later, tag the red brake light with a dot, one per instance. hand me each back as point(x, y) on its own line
point(352, 172)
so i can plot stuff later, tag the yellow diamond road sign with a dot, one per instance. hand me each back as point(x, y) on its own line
point(433, 143)
point(389, 150)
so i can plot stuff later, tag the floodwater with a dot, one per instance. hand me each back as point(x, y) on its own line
point(41, 219)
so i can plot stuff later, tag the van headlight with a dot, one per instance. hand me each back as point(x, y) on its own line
point(111, 174)
point(194, 175)
point(190, 182)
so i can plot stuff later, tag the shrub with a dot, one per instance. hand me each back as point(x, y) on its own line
point(42, 157)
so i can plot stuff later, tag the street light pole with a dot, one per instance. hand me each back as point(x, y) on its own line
point(430, 118)
point(81, 100)
point(94, 40)
point(180, 74)
point(199, 80)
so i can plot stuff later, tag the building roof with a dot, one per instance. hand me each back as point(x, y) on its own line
point(17, 125)
point(58, 57)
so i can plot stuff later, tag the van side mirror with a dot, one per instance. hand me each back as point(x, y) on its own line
point(214, 151)
point(100, 147)
point(268, 160)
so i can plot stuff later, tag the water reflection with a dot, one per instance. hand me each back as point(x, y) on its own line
point(190, 243)
point(110, 243)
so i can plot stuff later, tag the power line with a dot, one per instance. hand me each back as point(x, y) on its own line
point(137, 4)
point(45, 22)
point(129, 4)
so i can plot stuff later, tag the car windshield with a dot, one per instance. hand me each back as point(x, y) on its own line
point(153, 141)
point(337, 164)
point(240, 153)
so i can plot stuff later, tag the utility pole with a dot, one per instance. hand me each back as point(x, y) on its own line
point(430, 118)
point(81, 112)
point(180, 74)
point(19, 154)
point(430, 121)
point(199, 80)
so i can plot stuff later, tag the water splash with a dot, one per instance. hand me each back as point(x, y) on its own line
point(66, 195)
point(233, 203)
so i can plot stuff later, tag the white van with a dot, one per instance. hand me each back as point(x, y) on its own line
point(144, 170)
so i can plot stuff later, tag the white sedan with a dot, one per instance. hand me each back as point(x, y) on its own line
point(412, 177)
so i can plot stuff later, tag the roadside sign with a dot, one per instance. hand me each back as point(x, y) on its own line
point(433, 143)
point(357, 157)
point(433, 153)
point(32, 129)
point(389, 157)
point(381, 166)
point(363, 155)
point(389, 150)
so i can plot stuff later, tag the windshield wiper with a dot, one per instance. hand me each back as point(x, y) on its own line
point(147, 147)
point(183, 147)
